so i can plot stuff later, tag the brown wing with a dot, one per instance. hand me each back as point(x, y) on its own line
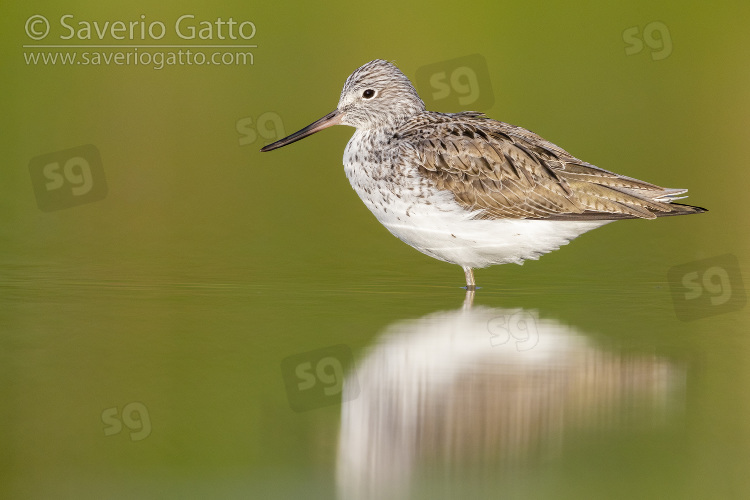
point(508, 172)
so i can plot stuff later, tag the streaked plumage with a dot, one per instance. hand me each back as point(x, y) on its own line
point(470, 190)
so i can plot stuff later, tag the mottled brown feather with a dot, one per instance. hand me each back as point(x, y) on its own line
point(507, 172)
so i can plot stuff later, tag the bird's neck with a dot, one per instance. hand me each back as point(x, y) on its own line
point(389, 126)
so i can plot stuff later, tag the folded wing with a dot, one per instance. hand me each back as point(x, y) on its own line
point(507, 172)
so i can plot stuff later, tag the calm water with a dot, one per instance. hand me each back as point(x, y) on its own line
point(174, 385)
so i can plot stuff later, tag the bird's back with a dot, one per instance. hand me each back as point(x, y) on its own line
point(508, 172)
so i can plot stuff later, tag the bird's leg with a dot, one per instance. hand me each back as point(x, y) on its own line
point(470, 283)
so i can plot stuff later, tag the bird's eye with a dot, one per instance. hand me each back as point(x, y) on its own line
point(368, 94)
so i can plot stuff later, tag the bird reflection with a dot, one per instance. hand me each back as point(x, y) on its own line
point(485, 389)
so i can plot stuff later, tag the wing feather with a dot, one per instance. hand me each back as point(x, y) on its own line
point(507, 172)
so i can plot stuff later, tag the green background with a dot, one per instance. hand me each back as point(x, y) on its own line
point(208, 263)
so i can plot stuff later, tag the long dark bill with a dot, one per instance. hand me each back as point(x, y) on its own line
point(333, 118)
